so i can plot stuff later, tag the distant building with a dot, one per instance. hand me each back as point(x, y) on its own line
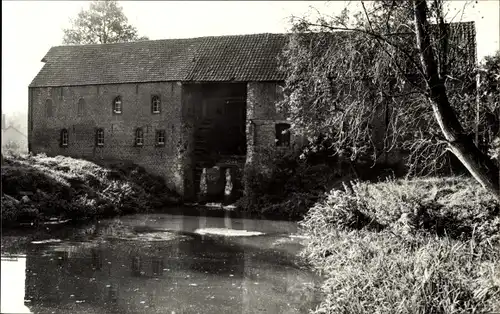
point(13, 139)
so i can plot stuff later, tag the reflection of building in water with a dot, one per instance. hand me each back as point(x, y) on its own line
point(13, 276)
point(216, 274)
point(122, 277)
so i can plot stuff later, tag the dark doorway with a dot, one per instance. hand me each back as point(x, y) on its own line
point(220, 132)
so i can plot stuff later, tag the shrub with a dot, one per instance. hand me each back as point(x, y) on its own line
point(288, 189)
point(407, 246)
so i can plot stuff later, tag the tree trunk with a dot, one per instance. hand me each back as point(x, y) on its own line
point(460, 144)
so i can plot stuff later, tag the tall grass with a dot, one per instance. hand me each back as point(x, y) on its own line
point(407, 246)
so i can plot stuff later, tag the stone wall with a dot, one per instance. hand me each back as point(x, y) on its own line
point(119, 129)
point(262, 118)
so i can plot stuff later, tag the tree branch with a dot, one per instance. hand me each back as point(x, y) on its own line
point(375, 36)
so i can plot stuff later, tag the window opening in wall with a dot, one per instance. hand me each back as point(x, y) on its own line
point(117, 105)
point(139, 137)
point(64, 137)
point(282, 134)
point(136, 266)
point(48, 108)
point(157, 266)
point(155, 104)
point(99, 137)
point(81, 107)
point(96, 259)
point(160, 137)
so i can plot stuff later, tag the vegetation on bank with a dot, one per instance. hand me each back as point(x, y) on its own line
point(407, 246)
point(288, 189)
point(38, 188)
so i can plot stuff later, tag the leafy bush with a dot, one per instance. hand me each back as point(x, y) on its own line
point(407, 246)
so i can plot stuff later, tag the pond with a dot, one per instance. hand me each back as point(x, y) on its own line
point(158, 263)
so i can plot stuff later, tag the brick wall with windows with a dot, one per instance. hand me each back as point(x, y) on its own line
point(263, 121)
point(82, 110)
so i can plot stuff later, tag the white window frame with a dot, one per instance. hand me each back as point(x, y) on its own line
point(64, 137)
point(139, 137)
point(100, 137)
point(117, 105)
point(160, 134)
point(155, 104)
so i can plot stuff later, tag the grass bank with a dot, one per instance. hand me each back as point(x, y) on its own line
point(38, 188)
point(407, 246)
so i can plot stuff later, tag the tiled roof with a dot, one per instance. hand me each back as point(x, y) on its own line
point(462, 47)
point(211, 59)
point(221, 58)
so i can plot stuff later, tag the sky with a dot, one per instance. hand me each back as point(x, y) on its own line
point(30, 28)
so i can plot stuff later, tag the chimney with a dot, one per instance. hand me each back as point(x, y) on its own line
point(3, 121)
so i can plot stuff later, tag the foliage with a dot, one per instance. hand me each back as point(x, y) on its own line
point(11, 147)
point(393, 247)
point(356, 80)
point(489, 91)
point(77, 189)
point(291, 186)
point(102, 23)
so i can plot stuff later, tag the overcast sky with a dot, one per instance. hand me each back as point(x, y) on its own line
point(30, 28)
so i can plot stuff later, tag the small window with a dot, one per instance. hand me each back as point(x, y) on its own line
point(139, 137)
point(157, 266)
point(81, 107)
point(99, 137)
point(160, 137)
point(117, 105)
point(282, 135)
point(64, 137)
point(96, 259)
point(48, 108)
point(136, 266)
point(155, 104)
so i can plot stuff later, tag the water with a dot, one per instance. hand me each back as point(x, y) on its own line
point(158, 264)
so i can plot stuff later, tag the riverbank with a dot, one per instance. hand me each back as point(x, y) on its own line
point(40, 189)
point(418, 246)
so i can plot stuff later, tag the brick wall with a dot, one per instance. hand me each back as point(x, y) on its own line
point(119, 129)
point(179, 106)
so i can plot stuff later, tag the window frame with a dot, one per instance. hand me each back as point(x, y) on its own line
point(155, 101)
point(282, 139)
point(117, 101)
point(97, 137)
point(64, 138)
point(160, 134)
point(139, 137)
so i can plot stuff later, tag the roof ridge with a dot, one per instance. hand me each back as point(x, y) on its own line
point(168, 39)
point(14, 128)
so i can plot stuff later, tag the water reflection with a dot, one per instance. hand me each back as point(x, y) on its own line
point(158, 264)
